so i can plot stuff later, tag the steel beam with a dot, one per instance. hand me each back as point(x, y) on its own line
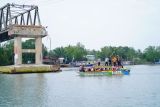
point(7, 15)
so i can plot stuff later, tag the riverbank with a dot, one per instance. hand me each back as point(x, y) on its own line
point(13, 69)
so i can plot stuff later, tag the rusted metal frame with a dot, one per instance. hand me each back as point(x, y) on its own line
point(16, 21)
point(9, 15)
point(22, 20)
point(4, 6)
point(6, 21)
point(39, 21)
point(28, 17)
point(35, 14)
point(1, 19)
point(22, 13)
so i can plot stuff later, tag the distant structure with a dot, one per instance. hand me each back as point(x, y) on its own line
point(61, 60)
point(22, 21)
point(90, 57)
point(50, 60)
point(157, 61)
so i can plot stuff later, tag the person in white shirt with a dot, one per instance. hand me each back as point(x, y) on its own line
point(106, 61)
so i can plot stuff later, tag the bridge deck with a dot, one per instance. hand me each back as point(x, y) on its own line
point(26, 31)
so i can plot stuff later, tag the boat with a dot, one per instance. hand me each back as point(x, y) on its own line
point(103, 70)
point(113, 66)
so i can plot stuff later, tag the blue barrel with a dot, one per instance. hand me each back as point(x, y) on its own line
point(126, 72)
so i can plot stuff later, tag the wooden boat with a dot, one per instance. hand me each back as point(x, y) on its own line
point(103, 71)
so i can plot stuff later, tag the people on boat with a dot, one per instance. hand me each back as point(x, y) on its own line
point(106, 61)
point(92, 69)
point(82, 68)
point(89, 69)
point(118, 61)
point(110, 62)
point(99, 63)
point(114, 68)
point(114, 61)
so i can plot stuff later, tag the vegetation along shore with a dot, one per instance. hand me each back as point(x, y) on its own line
point(78, 53)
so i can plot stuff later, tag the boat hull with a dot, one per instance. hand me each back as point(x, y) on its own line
point(104, 73)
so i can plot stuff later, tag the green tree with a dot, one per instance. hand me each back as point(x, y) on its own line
point(151, 53)
point(30, 44)
point(79, 52)
point(106, 52)
point(6, 53)
point(71, 53)
point(58, 52)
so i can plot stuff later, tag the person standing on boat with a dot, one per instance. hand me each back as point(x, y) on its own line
point(99, 63)
point(114, 60)
point(118, 61)
point(110, 62)
point(106, 61)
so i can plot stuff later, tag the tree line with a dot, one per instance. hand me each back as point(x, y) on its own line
point(78, 53)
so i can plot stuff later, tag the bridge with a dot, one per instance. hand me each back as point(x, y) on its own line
point(22, 21)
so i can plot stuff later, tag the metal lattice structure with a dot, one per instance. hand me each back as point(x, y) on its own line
point(14, 14)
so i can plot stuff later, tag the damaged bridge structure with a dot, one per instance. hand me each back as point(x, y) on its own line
point(22, 21)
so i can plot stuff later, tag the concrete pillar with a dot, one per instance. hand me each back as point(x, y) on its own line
point(38, 49)
point(17, 50)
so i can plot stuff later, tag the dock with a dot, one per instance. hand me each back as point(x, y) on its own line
point(31, 68)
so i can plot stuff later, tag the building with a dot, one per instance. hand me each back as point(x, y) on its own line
point(90, 57)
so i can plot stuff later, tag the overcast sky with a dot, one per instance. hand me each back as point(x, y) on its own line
point(98, 23)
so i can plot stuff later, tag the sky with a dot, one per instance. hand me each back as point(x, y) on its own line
point(99, 23)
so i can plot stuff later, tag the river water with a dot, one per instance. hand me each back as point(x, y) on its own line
point(67, 89)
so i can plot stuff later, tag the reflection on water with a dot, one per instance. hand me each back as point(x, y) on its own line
point(68, 89)
point(22, 89)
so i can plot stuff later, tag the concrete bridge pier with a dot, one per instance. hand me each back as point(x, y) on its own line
point(17, 50)
point(18, 24)
point(38, 50)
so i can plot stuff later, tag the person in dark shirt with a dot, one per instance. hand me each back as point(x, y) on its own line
point(119, 61)
point(99, 63)
point(110, 62)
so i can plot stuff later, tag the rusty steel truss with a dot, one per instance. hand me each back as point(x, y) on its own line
point(17, 15)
